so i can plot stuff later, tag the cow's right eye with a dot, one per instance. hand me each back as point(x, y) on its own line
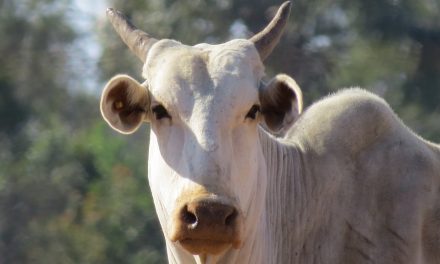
point(160, 112)
point(253, 112)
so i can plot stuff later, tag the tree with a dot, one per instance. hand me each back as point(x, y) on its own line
point(69, 191)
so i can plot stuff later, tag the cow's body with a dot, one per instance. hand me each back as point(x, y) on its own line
point(349, 183)
point(352, 184)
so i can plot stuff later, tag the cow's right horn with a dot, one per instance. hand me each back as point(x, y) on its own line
point(137, 40)
point(266, 40)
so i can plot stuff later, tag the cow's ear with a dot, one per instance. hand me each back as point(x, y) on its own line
point(124, 104)
point(281, 103)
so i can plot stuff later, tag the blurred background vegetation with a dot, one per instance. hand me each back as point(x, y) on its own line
point(74, 191)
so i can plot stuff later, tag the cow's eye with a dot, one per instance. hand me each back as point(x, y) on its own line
point(253, 112)
point(160, 112)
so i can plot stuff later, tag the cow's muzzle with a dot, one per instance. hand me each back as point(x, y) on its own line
point(207, 226)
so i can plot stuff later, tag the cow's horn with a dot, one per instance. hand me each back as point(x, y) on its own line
point(137, 40)
point(268, 38)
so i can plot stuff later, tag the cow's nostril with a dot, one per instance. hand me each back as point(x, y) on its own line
point(230, 219)
point(188, 217)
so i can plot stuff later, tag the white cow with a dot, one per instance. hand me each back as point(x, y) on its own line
point(349, 183)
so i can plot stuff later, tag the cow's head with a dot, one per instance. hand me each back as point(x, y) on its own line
point(204, 103)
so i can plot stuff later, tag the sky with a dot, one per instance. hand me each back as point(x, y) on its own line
point(87, 16)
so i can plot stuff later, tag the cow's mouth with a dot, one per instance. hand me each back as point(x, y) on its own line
point(206, 246)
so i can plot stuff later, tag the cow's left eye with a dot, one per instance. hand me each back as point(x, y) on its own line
point(160, 112)
point(253, 112)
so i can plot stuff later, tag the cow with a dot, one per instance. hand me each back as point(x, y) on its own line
point(345, 181)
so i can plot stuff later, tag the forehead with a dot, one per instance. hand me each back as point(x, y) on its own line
point(179, 74)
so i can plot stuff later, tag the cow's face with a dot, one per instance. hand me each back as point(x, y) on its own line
point(206, 169)
point(204, 156)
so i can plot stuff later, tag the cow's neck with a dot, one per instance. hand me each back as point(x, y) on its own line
point(289, 201)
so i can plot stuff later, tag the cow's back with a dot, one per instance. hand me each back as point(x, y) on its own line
point(378, 182)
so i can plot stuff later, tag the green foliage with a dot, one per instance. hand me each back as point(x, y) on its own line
point(367, 61)
point(76, 199)
point(71, 191)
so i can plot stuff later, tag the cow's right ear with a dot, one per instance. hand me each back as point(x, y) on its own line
point(124, 104)
point(281, 103)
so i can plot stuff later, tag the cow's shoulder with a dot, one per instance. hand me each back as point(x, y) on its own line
point(348, 120)
point(355, 133)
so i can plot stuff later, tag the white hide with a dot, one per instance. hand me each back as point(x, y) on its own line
point(348, 184)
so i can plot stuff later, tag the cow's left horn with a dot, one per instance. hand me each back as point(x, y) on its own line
point(137, 40)
point(266, 40)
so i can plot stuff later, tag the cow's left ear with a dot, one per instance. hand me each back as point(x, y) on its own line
point(124, 104)
point(281, 103)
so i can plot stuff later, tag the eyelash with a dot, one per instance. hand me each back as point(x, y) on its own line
point(160, 112)
point(252, 114)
